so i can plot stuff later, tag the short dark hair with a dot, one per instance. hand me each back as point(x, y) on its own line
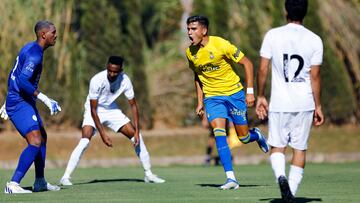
point(41, 25)
point(200, 19)
point(117, 60)
point(296, 9)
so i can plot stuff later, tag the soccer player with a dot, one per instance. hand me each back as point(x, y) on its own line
point(20, 106)
point(210, 58)
point(101, 110)
point(296, 55)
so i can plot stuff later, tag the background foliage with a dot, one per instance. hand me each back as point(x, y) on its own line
point(151, 37)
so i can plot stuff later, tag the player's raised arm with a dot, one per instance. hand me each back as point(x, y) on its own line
point(249, 74)
point(93, 106)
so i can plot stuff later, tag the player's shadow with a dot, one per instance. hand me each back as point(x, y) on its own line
point(217, 185)
point(297, 200)
point(28, 188)
point(31, 188)
point(111, 180)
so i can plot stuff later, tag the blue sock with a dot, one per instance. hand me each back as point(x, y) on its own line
point(223, 148)
point(40, 161)
point(250, 137)
point(27, 157)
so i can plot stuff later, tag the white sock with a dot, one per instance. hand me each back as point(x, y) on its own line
point(76, 156)
point(295, 176)
point(143, 155)
point(277, 160)
point(230, 174)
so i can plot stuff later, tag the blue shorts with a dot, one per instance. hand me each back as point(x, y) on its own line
point(231, 107)
point(25, 118)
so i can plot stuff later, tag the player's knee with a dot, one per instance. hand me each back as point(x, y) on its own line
point(34, 138)
point(36, 141)
point(88, 132)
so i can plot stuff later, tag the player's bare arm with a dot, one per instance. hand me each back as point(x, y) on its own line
point(200, 96)
point(262, 106)
point(316, 88)
point(135, 113)
point(249, 74)
point(93, 105)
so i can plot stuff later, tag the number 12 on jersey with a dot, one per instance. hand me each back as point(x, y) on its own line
point(286, 62)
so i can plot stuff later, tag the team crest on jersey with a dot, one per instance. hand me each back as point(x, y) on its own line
point(112, 90)
point(211, 55)
point(195, 57)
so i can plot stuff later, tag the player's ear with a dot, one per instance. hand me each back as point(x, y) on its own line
point(204, 31)
point(43, 34)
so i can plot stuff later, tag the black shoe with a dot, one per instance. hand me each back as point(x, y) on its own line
point(286, 194)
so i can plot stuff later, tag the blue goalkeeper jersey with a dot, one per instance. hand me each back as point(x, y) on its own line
point(24, 77)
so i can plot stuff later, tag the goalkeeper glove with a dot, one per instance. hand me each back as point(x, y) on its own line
point(50, 103)
point(3, 112)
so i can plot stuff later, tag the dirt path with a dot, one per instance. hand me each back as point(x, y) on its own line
point(185, 146)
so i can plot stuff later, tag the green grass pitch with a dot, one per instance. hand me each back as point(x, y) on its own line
point(321, 183)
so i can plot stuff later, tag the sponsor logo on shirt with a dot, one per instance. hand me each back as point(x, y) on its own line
point(208, 67)
point(100, 89)
point(30, 67)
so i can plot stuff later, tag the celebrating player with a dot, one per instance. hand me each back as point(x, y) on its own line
point(101, 109)
point(20, 107)
point(210, 58)
point(296, 54)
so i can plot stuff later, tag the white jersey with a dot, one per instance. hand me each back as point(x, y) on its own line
point(106, 93)
point(293, 49)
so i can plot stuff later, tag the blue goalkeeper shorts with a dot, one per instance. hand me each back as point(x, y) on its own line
point(25, 118)
point(231, 107)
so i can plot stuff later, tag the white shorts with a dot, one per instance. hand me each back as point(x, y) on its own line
point(111, 118)
point(290, 128)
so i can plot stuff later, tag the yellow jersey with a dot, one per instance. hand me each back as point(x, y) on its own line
point(212, 64)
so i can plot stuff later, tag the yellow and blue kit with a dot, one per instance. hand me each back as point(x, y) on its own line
point(224, 97)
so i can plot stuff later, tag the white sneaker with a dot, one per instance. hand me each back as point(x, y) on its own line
point(65, 182)
point(153, 179)
point(41, 185)
point(15, 188)
point(230, 184)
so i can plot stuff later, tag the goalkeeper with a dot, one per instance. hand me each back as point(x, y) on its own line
point(101, 110)
point(20, 107)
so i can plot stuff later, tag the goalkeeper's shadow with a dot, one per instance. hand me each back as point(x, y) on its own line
point(111, 180)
